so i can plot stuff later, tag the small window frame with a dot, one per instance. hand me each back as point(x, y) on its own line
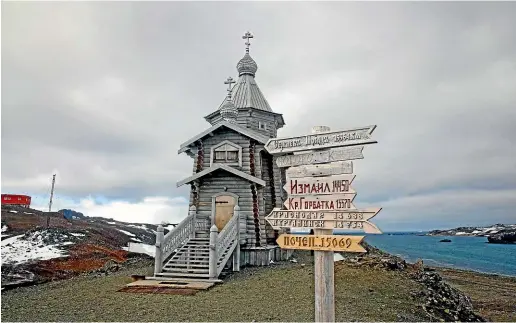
point(262, 125)
point(229, 147)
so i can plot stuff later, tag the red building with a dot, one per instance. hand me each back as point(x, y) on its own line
point(16, 199)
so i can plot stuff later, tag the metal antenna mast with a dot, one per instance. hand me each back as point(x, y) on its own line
point(51, 193)
point(50, 203)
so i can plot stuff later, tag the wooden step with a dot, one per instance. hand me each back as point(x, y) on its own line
point(176, 261)
point(185, 270)
point(193, 253)
point(183, 275)
point(186, 265)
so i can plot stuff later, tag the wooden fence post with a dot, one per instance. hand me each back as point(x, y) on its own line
point(193, 213)
point(236, 253)
point(158, 261)
point(214, 232)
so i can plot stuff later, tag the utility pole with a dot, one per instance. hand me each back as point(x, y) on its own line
point(51, 196)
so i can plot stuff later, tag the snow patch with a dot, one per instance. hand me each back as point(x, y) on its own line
point(4, 228)
point(141, 248)
point(13, 211)
point(78, 234)
point(460, 233)
point(111, 222)
point(127, 233)
point(337, 257)
point(136, 240)
point(142, 226)
point(20, 249)
point(476, 231)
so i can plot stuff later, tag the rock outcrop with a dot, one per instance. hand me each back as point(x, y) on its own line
point(504, 237)
point(442, 302)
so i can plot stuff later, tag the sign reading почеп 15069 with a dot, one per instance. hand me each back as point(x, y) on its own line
point(359, 136)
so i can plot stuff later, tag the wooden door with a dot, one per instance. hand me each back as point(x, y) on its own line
point(224, 209)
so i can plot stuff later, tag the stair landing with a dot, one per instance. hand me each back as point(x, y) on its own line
point(176, 283)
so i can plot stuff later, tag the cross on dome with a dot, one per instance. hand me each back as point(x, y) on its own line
point(247, 36)
point(229, 81)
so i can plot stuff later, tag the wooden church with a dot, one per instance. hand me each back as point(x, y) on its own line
point(234, 184)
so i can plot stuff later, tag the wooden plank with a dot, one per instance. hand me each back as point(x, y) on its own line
point(319, 185)
point(353, 220)
point(344, 138)
point(342, 201)
point(321, 242)
point(336, 168)
point(320, 157)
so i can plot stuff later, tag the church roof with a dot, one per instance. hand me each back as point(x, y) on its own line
point(245, 131)
point(226, 168)
point(246, 93)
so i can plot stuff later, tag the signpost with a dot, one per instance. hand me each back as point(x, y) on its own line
point(320, 197)
point(321, 242)
point(358, 136)
point(320, 157)
point(337, 168)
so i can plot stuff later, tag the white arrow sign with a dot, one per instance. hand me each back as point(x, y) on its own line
point(337, 168)
point(319, 185)
point(320, 157)
point(356, 219)
point(323, 202)
point(358, 136)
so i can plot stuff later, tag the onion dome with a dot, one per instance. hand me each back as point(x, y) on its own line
point(247, 65)
point(228, 111)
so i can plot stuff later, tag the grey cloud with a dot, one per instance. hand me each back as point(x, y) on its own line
point(105, 92)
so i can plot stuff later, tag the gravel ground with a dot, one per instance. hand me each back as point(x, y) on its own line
point(284, 292)
point(493, 296)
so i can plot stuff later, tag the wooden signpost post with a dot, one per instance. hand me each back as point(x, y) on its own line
point(320, 197)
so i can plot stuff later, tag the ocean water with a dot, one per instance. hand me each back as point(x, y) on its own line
point(472, 253)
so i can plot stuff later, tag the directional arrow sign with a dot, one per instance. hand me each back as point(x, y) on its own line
point(320, 157)
point(322, 202)
point(354, 220)
point(319, 185)
point(358, 136)
point(337, 168)
point(321, 242)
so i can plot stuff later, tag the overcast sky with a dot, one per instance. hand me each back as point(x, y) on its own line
point(104, 93)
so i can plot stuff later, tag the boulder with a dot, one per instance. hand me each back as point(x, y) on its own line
point(503, 237)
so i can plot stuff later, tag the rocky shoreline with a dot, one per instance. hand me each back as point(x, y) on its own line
point(442, 302)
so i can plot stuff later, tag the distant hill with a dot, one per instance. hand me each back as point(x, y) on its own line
point(497, 233)
point(33, 252)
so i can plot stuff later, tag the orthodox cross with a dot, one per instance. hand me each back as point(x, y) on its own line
point(247, 43)
point(229, 81)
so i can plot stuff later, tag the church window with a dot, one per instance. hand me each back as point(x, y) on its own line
point(262, 125)
point(227, 153)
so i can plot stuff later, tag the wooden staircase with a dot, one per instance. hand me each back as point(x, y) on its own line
point(185, 254)
point(190, 261)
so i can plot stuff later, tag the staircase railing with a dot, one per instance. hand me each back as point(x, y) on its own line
point(175, 238)
point(224, 244)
